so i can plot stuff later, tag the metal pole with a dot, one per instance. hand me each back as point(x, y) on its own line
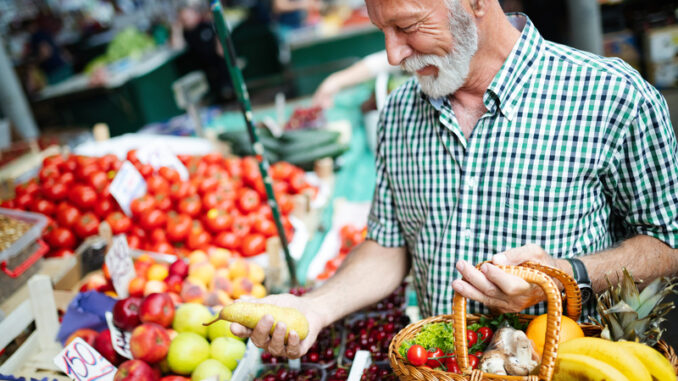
point(12, 99)
point(586, 25)
point(244, 100)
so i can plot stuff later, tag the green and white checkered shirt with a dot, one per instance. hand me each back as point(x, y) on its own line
point(575, 153)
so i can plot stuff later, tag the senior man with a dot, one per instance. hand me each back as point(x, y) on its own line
point(505, 147)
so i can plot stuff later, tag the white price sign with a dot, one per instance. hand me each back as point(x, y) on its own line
point(127, 185)
point(158, 155)
point(120, 265)
point(81, 362)
point(120, 339)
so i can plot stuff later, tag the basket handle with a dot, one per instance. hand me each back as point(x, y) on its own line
point(572, 292)
point(554, 304)
point(26, 264)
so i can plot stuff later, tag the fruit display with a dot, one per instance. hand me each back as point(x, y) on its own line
point(373, 334)
point(283, 373)
point(350, 237)
point(221, 204)
point(172, 340)
point(324, 351)
point(374, 372)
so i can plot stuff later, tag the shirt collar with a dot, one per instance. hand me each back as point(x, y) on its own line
point(505, 88)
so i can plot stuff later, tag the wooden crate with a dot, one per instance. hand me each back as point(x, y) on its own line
point(34, 357)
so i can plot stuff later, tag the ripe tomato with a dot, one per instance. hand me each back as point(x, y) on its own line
point(473, 361)
point(61, 238)
point(85, 170)
point(83, 196)
point(281, 170)
point(162, 247)
point(146, 170)
point(108, 162)
point(157, 184)
point(50, 172)
point(163, 202)
point(23, 201)
point(132, 156)
point(87, 225)
point(452, 365)
point(98, 180)
point(217, 220)
point(67, 178)
point(253, 244)
point(142, 205)
point(67, 215)
point(169, 174)
point(285, 203)
point(68, 165)
point(485, 334)
point(240, 226)
point(198, 238)
point(471, 337)
point(43, 206)
point(280, 187)
point(134, 242)
point(183, 158)
point(190, 206)
point(232, 165)
point(178, 226)
point(59, 253)
point(180, 190)
point(433, 360)
point(158, 235)
point(227, 240)
point(417, 355)
point(30, 188)
point(297, 182)
point(207, 185)
point(53, 160)
point(153, 219)
point(212, 158)
point(248, 200)
point(119, 222)
point(196, 168)
point(9, 204)
point(104, 207)
point(218, 200)
point(265, 226)
point(54, 190)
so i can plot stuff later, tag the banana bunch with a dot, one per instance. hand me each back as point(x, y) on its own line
point(590, 358)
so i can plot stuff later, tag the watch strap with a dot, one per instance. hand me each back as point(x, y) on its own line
point(581, 276)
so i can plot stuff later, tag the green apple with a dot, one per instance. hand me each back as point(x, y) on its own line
point(186, 351)
point(221, 328)
point(227, 350)
point(209, 369)
point(190, 317)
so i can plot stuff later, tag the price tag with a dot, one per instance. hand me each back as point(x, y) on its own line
point(120, 339)
point(361, 361)
point(127, 185)
point(81, 362)
point(120, 265)
point(158, 155)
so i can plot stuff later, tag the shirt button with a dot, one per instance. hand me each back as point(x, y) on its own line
point(471, 183)
point(467, 234)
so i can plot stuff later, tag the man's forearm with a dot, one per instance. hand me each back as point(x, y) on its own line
point(644, 256)
point(370, 273)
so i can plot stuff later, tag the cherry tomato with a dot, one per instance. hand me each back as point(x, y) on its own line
point(61, 238)
point(417, 355)
point(248, 200)
point(473, 361)
point(83, 196)
point(485, 334)
point(178, 226)
point(153, 219)
point(452, 365)
point(87, 225)
point(433, 360)
point(253, 244)
point(43, 206)
point(169, 174)
point(142, 205)
point(190, 206)
point(471, 337)
point(67, 215)
point(119, 222)
point(217, 220)
point(227, 240)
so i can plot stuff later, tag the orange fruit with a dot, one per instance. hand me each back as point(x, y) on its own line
point(536, 331)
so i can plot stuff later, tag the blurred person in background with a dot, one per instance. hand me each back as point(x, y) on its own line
point(43, 52)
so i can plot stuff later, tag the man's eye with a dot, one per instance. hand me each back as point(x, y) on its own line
point(407, 29)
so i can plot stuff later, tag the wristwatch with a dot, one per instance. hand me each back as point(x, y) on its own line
point(581, 276)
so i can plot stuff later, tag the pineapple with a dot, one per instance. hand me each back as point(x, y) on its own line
point(627, 314)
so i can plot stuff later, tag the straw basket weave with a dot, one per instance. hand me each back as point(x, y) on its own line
point(532, 273)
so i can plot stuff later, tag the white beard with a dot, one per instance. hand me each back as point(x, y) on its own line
point(454, 67)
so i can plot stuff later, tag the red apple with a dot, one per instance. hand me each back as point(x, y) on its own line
point(149, 342)
point(88, 335)
point(104, 345)
point(126, 313)
point(174, 283)
point(135, 370)
point(175, 378)
point(180, 268)
point(96, 282)
point(157, 308)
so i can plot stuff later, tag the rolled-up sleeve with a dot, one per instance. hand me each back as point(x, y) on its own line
point(645, 175)
point(382, 224)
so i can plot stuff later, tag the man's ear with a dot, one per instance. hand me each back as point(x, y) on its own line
point(480, 7)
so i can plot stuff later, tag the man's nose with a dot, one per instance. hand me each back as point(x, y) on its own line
point(397, 48)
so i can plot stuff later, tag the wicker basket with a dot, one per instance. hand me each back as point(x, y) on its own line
point(533, 273)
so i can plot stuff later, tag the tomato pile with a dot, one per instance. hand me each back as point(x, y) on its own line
point(222, 204)
point(350, 237)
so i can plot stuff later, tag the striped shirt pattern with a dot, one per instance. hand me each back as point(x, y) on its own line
point(575, 152)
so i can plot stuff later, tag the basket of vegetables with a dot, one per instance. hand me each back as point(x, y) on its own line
point(477, 347)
